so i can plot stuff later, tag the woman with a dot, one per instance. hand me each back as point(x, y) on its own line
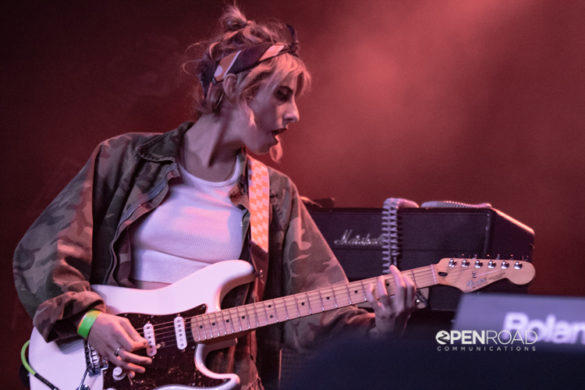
point(148, 209)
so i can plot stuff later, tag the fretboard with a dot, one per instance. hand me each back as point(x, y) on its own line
point(248, 317)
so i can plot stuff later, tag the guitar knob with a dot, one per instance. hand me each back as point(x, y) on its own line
point(118, 374)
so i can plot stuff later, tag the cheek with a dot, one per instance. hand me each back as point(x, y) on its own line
point(264, 117)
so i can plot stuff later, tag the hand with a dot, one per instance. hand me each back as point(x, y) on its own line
point(114, 338)
point(392, 311)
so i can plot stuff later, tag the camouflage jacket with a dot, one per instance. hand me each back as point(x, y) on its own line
point(82, 239)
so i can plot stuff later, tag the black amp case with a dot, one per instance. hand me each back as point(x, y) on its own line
point(426, 235)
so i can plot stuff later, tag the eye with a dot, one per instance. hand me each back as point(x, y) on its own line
point(283, 94)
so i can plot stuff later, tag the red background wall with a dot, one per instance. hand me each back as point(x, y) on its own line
point(470, 101)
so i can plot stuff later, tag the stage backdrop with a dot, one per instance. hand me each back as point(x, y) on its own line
point(479, 101)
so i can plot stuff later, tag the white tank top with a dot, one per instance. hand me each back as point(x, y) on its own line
point(195, 226)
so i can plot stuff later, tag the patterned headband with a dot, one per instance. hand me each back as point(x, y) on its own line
point(245, 59)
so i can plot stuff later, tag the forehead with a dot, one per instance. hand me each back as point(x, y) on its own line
point(290, 80)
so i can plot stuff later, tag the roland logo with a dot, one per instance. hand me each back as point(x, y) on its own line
point(549, 329)
point(349, 239)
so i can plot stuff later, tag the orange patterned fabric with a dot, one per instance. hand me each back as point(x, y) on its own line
point(259, 191)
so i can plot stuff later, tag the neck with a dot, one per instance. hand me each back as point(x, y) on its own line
point(206, 152)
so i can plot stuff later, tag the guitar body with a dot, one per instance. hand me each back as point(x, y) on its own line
point(176, 366)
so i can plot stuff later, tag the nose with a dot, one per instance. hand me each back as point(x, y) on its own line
point(291, 114)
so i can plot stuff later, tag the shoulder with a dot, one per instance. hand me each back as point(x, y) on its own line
point(154, 146)
point(127, 141)
point(280, 183)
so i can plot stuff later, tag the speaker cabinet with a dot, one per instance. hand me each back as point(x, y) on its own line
point(423, 237)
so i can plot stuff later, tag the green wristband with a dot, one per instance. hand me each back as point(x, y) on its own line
point(87, 322)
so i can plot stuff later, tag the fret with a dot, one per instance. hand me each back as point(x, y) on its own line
point(340, 296)
point(228, 322)
point(334, 298)
point(314, 302)
point(204, 327)
point(323, 302)
point(308, 302)
point(295, 297)
point(286, 316)
point(194, 329)
point(272, 316)
point(239, 317)
point(364, 296)
point(221, 325)
point(250, 324)
point(295, 305)
point(213, 318)
point(235, 318)
point(259, 319)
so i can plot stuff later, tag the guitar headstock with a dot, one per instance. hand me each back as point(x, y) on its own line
point(472, 274)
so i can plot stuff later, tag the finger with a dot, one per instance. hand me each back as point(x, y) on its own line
point(400, 290)
point(383, 297)
point(128, 361)
point(410, 292)
point(371, 295)
point(133, 362)
point(130, 368)
point(130, 357)
point(135, 337)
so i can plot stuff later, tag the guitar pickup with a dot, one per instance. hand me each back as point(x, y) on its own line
point(151, 348)
point(180, 334)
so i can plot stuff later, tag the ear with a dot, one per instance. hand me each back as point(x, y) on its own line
point(229, 87)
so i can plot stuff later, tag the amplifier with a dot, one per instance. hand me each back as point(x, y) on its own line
point(367, 240)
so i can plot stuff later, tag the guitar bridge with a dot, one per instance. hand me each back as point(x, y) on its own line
point(93, 361)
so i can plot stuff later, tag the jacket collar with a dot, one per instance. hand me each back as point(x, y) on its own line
point(166, 146)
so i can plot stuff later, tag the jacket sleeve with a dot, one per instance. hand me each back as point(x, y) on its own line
point(52, 262)
point(309, 263)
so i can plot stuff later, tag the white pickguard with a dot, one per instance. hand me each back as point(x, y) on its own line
point(63, 364)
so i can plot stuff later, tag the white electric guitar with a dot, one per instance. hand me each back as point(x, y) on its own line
point(183, 322)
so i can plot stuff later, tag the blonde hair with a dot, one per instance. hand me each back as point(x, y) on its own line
point(237, 33)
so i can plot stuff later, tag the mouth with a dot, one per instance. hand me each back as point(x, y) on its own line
point(278, 131)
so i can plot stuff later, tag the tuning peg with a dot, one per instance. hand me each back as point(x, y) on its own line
point(505, 264)
point(491, 264)
point(478, 264)
point(465, 263)
point(452, 263)
point(517, 265)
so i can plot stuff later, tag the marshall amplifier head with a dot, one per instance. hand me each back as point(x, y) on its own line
point(367, 240)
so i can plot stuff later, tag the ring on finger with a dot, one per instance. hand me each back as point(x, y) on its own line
point(117, 351)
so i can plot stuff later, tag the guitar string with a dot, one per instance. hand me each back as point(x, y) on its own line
point(219, 327)
point(277, 305)
point(165, 331)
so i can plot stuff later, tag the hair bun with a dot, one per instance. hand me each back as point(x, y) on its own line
point(233, 19)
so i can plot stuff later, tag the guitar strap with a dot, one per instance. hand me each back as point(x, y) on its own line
point(259, 208)
point(259, 197)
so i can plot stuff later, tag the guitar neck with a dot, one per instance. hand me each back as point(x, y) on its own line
point(248, 317)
